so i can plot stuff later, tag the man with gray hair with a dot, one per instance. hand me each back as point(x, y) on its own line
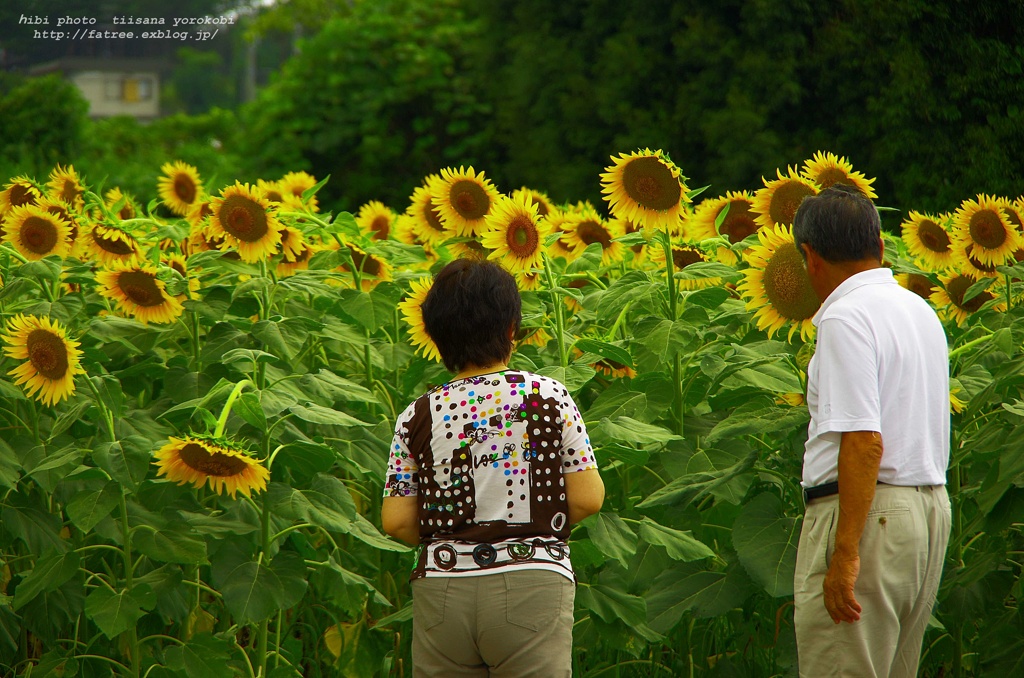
point(877, 514)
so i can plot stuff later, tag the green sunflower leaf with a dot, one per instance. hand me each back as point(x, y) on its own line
point(50, 573)
point(114, 612)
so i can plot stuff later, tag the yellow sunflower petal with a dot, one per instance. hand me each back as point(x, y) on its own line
point(412, 313)
point(199, 462)
point(586, 227)
point(180, 187)
point(777, 202)
point(828, 169)
point(949, 299)
point(139, 293)
point(65, 184)
point(375, 220)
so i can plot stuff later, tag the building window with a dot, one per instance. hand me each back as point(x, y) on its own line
point(137, 89)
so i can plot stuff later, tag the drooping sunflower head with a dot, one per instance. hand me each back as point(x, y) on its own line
point(425, 215)
point(515, 233)
point(246, 221)
point(919, 284)
point(65, 184)
point(776, 204)
point(293, 243)
point(927, 239)
point(982, 227)
point(180, 187)
point(646, 188)
point(463, 199)
point(17, 192)
point(776, 284)
point(371, 269)
point(528, 281)
point(51, 359)
point(586, 227)
point(217, 462)
point(949, 300)
point(375, 220)
point(828, 169)
point(532, 336)
point(412, 312)
point(538, 198)
point(110, 245)
point(36, 233)
point(683, 256)
point(297, 262)
point(138, 292)
point(295, 184)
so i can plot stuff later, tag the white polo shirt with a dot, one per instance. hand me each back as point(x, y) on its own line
point(881, 364)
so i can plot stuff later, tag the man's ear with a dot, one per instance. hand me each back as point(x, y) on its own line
point(811, 260)
point(881, 249)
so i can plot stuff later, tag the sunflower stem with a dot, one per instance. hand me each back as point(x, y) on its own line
point(666, 244)
point(556, 304)
point(969, 345)
point(1009, 297)
point(129, 568)
point(196, 360)
point(265, 555)
point(222, 422)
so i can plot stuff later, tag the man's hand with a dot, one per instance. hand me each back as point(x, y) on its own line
point(838, 588)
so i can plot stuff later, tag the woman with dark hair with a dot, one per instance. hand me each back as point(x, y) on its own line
point(488, 472)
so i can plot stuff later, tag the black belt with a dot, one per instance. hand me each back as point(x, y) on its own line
point(819, 491)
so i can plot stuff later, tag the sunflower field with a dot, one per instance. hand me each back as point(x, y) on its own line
point(198, 390)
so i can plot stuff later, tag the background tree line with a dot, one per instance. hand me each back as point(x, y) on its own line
point(927, 96)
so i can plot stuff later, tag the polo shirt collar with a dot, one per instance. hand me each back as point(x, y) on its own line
point(874, 276)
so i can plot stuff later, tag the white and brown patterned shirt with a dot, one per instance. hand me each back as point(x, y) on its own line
point(486, 456)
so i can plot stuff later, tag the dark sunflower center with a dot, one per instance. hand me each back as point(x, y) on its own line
point(273, 196)
point(831, 176)
point(469, 199)
point(381, 227)
point(739, 222)
point(38, 235)
point(127, 212)
point(185, 188)
point(957, 288)
point(786, 199)
point(179, 267)
point(521, 236)
point(48, 354)
point(1013, 218)
point(651, 184)
point(113, 245)
point(920, 285)
point(198, 458)
point(141, 288)
point(681, 258)
point(243, 218)
point(987, 229)
point(22, 195)
point(542, 206)
point(933, 236)
point(433, 218)
point(365, 263)
point(978, 264)
point(70, 192)
point(787, 286)
point(590, 232)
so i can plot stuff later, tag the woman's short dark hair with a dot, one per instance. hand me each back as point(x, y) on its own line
point(468, 313)
point(839, 223)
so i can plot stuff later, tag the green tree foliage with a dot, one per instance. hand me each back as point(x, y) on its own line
point(379, 98)
point(43, 119)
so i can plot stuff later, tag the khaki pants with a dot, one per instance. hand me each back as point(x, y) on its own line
point(901, 554)
point(513, 624)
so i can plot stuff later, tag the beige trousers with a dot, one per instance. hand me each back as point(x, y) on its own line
point(901, 554)
point(507, 625)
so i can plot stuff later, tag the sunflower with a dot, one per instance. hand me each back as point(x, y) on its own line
point(956, 405)
point(966, 262)
point(613, 369)
point(51, 359)
point(19, 191)
point(585, 227)
point(288, 266)
point(927, 238)
point(541, 200)
point(919, 284)
point(777, 202)
point(272, 191)
point(246, 221)
point(114, 196)
point(646, 188)
point(412, 313)
point(982, 227)
point(293, 244)
point(294, 184)
point(640, 250)
point(139, 293)
point(529, 281)
point(65, 184)
point(515, 233)
point(179, 264)
point(1014, 211)
point(180, 187)
point(404, 230)
point(215, 462)
point(791, 399)
point(111, 245)
point(561, 247)
point(949, 299)
point(738, 222)
point(426, 217)
point(463, 199)
point(828, 169)
point(372, 269)
point(533, 336)
point(776, 284)
point(375, 220)
point(200, 212)
point(683, 256)
point(36, 233)
point(469, 248)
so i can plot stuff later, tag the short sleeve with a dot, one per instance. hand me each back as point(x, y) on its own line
point(848, 379)
point(402, 473)
point(576, 453)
